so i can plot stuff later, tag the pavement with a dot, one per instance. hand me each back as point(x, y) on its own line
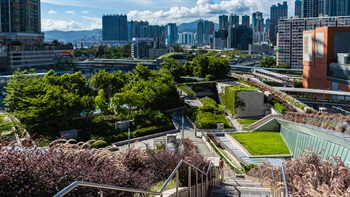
point(188, 132)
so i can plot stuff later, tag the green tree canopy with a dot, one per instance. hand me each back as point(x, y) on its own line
point(203, 65)
point(268, 62)
point(45, 103)
point(174, 67)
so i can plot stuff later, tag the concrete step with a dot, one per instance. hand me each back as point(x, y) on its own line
point(254, 191)
point(244, 184)
point(220, 191)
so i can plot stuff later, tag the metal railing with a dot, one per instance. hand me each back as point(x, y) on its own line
point(212, 178)
point(273, 177)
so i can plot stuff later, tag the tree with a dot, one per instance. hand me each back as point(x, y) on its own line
point(208, 66)
point(268, 62)
point(46, 103)
point(174, 67)
point(111, 83)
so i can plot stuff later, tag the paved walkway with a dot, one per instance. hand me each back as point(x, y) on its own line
point(188, 132)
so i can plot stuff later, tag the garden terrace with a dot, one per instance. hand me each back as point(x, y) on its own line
point(262, 143)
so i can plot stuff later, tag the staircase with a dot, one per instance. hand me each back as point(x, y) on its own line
point(237, 186)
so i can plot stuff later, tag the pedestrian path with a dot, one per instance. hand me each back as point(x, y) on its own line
point(237, 151)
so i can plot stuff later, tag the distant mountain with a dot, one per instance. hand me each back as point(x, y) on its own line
point(70, 36)
point(192, 26)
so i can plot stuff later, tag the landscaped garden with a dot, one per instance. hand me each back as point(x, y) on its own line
point(247, 121)
point(262, 143)
point(53, 103)
point(208, 116)
point(36, 171)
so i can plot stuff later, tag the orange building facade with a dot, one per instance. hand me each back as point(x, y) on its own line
point(321, 66)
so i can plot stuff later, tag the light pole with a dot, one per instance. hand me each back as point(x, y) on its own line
point(182, 127)
point(129, 138)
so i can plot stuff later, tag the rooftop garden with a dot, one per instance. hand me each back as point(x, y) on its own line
point(209, 115)
point(335, 122)
point(262, 143)
point(247, 121)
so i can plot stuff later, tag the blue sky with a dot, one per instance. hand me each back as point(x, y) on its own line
point(86, 15)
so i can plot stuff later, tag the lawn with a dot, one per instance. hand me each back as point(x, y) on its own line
point(247, 121)
point(262, 143)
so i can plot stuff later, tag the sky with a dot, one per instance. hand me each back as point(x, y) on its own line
point(68, 15)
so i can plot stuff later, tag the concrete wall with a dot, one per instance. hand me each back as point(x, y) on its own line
point(254, 104)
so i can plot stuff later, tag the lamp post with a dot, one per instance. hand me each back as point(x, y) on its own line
point(129, 137)
point(182, 127)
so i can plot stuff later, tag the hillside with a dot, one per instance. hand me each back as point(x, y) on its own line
point(70, 36)
point(192, 26)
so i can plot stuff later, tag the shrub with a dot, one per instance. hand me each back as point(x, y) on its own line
point(45, 171)
point(308, 175)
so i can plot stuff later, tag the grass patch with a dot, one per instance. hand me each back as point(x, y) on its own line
point(158, 186)
point(278, 106)
point(262, 143)
point(247, 121)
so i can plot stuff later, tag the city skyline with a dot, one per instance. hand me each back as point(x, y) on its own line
point(74, 15)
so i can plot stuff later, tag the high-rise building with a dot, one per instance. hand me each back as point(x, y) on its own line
point(276, 12)
point(20, 21)
point(203, 33)
point(257, 22)
point(136, 29)
point(309, 8)
point(186, 38)
point(246, 21)
point(115, 28)
point(258, 28)
point(297, 9)
point(21, 40)
point(20, 16)
point(267, 26)
point(223, 22)
point(171, 34)
point(290, 36)
point(233, 20)
point(156, 31)
point(315, 8)
point(239, 37)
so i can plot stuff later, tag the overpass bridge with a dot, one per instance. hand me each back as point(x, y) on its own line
point(117, 64)
point(346, 95)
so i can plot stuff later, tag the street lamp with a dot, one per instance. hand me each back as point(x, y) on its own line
point(182, 127)
point(129, 137)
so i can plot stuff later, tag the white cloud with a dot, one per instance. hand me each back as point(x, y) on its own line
point(51, 12)
point(180, 10)
point(96, 23)
point(207, 9)
point(49, 24)
point(72, 12)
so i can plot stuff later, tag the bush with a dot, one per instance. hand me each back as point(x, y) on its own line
point(209, 115)
point(46, 171)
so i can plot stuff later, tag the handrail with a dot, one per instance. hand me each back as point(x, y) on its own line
point(177, 168)
point(101, 186)
point(285, 181)
point(104, 186)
